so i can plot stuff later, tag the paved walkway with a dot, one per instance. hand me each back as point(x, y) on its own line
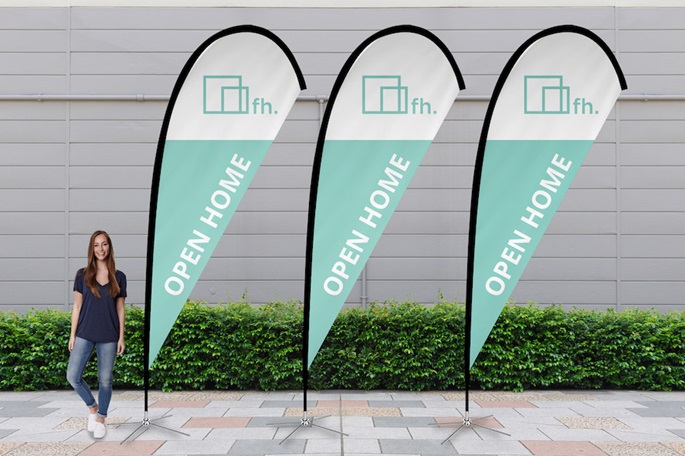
point(549, 423)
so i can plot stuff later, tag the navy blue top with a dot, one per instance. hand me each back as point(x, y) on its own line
point(98, 320)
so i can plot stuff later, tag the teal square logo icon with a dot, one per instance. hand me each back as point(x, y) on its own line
point(225, 95)
point(545, 95)
point(383, 95)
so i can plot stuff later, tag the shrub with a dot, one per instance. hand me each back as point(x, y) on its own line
point(393, 345)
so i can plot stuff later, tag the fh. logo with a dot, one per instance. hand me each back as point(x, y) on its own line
point(549, 95)
point(228, 95)
point(387, 95)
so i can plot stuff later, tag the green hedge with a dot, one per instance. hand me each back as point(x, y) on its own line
point(402, 346)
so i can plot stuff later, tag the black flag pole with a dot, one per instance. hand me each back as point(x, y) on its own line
point(341, 80)
point(190, 76)
point(478, 171)
point(307, 421)
point(152, 223)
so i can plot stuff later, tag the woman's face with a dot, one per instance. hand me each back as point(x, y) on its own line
point(101, 247)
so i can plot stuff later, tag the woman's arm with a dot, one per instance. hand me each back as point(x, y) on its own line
point(75, 312)
point(121, 312)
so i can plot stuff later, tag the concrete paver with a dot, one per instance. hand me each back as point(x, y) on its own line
point(359, 423)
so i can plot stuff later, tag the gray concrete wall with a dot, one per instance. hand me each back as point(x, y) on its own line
point(70, 167)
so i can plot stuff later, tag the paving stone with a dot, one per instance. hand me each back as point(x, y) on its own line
point(274, 412)
point(387, 423)
point(576, 435)
point(376, 433)
point(217, 422)
point(82, 422)
point(307, 432)
point(287, 404)
point(573, 422)
point(177, 404)
point(403, 404)
point(202, 447)
point(164, 434)
point(362, 411)
point(661, 408)
point(262, 447)
point(321, 446)
point(18, 409)
point(506, 404)
point(433, 412)
point(241, 434)
point(547, 448)
point(679, 432)
point(398, 446)
point(6, 432)
point(498, 447)
point(524, 396)
point(356, 446)
point(52, 449)
point(678, 447)
point(7, 447)
point(342, 403)
point(237, 404)
point(635, 449)
point(286, 421)
point(636, 435)
point(403, 422)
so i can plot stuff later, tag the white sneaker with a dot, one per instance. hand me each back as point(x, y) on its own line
point(91, 422)
point(100, 430)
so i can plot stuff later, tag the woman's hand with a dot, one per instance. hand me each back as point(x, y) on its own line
point(71, 342)
point(121, 346)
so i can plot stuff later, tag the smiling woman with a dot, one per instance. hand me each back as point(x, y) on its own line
point(97, 322)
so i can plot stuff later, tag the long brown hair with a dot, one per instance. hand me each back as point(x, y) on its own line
point(92, 268)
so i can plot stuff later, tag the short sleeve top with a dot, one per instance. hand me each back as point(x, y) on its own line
point(98, 320)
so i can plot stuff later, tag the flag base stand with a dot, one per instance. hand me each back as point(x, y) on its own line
point(147, 423)
point(467, 422)
point(305, 422)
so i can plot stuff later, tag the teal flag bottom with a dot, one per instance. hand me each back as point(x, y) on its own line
point(201, 185)
point(522, 184)
point(360, 185)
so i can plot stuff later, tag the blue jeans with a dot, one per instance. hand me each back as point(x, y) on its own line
point(81, 353)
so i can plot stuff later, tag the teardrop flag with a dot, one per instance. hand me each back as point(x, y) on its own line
point(387, 104)
point(227, 106)
point(548, 107)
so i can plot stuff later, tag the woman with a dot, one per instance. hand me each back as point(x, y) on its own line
point(97, 321)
